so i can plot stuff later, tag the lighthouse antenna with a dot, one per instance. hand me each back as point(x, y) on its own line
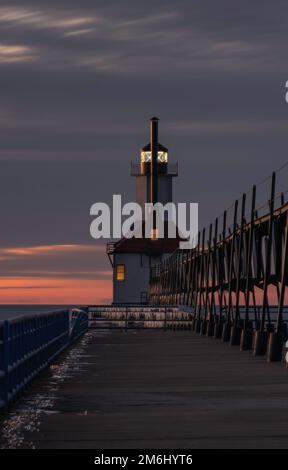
point(154, 160)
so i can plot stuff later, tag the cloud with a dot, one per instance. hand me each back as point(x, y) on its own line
point(42, 273)
point(28, 287)
point(79, 32)
point(235, 127)
point(15, 53)
point(126, 42)
point(68, 123)
point(54, 290)
point(43, 250)
point(68, 262)
point(41, 18)
point(70, 273)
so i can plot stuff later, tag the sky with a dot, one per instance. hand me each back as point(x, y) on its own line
point(79, 81)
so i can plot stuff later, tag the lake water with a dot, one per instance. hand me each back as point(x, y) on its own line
point(12, 311)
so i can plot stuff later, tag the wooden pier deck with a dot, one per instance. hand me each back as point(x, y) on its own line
point(158, 389)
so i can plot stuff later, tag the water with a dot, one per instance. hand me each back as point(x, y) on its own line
point(12, 311)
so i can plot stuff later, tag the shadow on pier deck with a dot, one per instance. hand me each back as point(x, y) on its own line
point(158, 389)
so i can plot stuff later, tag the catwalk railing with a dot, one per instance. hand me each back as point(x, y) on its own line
point(138, 316)
point(242, 266)
point(29, 344)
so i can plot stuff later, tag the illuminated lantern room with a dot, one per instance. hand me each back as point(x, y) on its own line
point(146, 154)
point(165, 172)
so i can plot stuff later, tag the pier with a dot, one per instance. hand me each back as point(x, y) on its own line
point(153, 389)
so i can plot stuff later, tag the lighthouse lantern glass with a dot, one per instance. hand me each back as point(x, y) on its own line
point(162, 157)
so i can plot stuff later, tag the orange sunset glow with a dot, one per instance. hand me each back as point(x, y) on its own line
point(54, 274)
point(54, 291)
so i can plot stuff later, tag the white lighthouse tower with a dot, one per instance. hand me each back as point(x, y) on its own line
point(132, 258)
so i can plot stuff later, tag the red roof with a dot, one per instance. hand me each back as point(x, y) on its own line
point(146, 245)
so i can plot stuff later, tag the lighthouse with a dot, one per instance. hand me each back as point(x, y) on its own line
point(133, 258)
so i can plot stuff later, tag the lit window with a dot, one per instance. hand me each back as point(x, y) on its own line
point(162, 157)
point(154, 234)
point(120, 272)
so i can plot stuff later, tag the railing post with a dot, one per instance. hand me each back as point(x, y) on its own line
point(227, 326)
point(5, 363)
point(276, 340)
point(207, 304)
point(211, 319)
point(247, 331)
point(235, 335)
point(261, 335)
point(194, 293)
point(221, 278)
point(126, 319)
point(198, 303)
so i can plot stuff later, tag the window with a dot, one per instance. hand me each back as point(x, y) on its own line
point(154, 234)
point(120, 272)
point(146, 157)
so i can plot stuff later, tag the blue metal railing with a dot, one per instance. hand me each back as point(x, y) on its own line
point(29, 344)
point(79, 323)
